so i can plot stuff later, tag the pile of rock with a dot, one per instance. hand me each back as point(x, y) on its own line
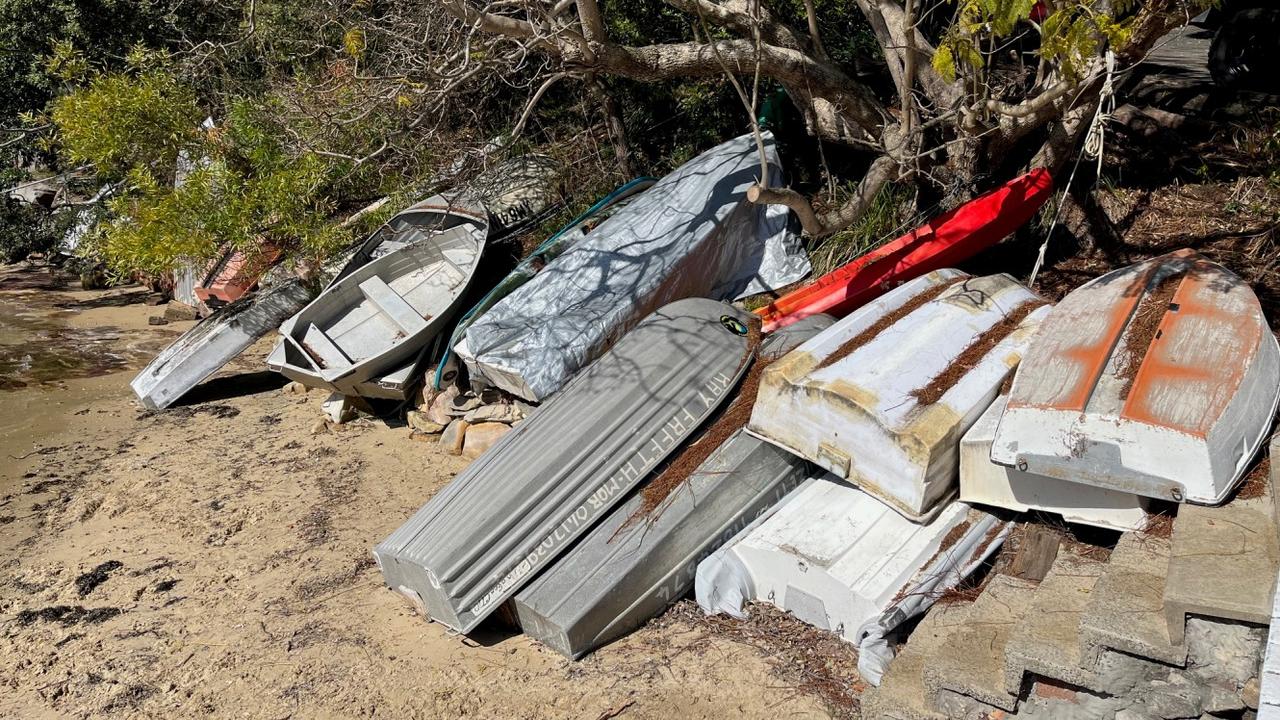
point(464, 422)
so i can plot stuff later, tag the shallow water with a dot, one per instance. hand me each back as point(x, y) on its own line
point(39, 347)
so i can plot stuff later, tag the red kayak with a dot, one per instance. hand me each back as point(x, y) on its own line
point(942, 242)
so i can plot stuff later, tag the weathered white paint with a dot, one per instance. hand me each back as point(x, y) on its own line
point(841, 560)
point(857, 417)
point(1200, 405)
point(983, 482)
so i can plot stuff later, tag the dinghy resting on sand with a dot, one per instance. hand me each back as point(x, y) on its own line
point(642, 557)
point(215, 341)
point(1158, 379)
point(545, 483)
point(381, 314)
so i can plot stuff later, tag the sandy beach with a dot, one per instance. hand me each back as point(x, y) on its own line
point(213, 560)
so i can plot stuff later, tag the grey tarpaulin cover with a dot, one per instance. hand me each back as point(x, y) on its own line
point(693, 234)
point(545, 483)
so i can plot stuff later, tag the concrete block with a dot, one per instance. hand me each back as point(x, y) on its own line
point(1046, 641)
point(901, 695)
point(1222, 563)
point(971, 663)
point(1126, 609)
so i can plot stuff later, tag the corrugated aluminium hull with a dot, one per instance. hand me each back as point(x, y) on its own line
point(619, 575)
point(883, 396)
point(545, 483)
point(628, 568)
point(1159, 379)
point(983, 482)
point(841, 560)
point(215, 341)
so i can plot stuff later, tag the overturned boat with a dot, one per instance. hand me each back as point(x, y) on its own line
point(882, 397)
point(550, 249)
point(642, 556)
point(215, 341)
point(545, 483)
point(944, 241)
point(693, 234)
point(380, 315)
point(983, 482)
point(841, 560)
point(234, 274)
point(1159, 379)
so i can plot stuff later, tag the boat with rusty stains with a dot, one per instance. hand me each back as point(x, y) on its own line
point(1159, 379)
point(882, 397)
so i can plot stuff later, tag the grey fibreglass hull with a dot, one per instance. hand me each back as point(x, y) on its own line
point(526, 500)
point(620, 575)
point(215, 341)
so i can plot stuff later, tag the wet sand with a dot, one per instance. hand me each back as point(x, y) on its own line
point(213, 560)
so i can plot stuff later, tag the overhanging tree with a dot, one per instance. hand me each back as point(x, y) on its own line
point(974, 82)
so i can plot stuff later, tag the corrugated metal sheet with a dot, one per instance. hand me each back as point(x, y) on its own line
point(526, 500)
point(883, 396)
point(1159, 379)
point(627, 569)
point(215, 341)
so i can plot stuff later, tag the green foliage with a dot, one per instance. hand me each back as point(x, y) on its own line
point(119, 122)
point(244, 188)
point(1069, 36)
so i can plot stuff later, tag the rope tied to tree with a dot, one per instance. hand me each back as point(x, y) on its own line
point(1094, 148)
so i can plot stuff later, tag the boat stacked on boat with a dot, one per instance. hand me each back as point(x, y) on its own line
point(850, 453)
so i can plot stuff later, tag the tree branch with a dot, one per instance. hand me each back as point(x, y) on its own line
point(882, 171)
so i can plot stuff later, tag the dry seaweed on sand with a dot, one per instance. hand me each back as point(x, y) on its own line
point(804, 658)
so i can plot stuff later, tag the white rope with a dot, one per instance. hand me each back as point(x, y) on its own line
point(1094, 146)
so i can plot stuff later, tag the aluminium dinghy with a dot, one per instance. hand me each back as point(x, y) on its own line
point(380, 313)
point(215, 341)
point(544, 484)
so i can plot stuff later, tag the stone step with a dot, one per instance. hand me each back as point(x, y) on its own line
point(1223, 560)
point(971, 662)
point(1046, 641)
point(1126, 607)
point(901, 695)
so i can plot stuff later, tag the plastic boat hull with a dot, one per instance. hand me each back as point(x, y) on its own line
point(942, 242)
